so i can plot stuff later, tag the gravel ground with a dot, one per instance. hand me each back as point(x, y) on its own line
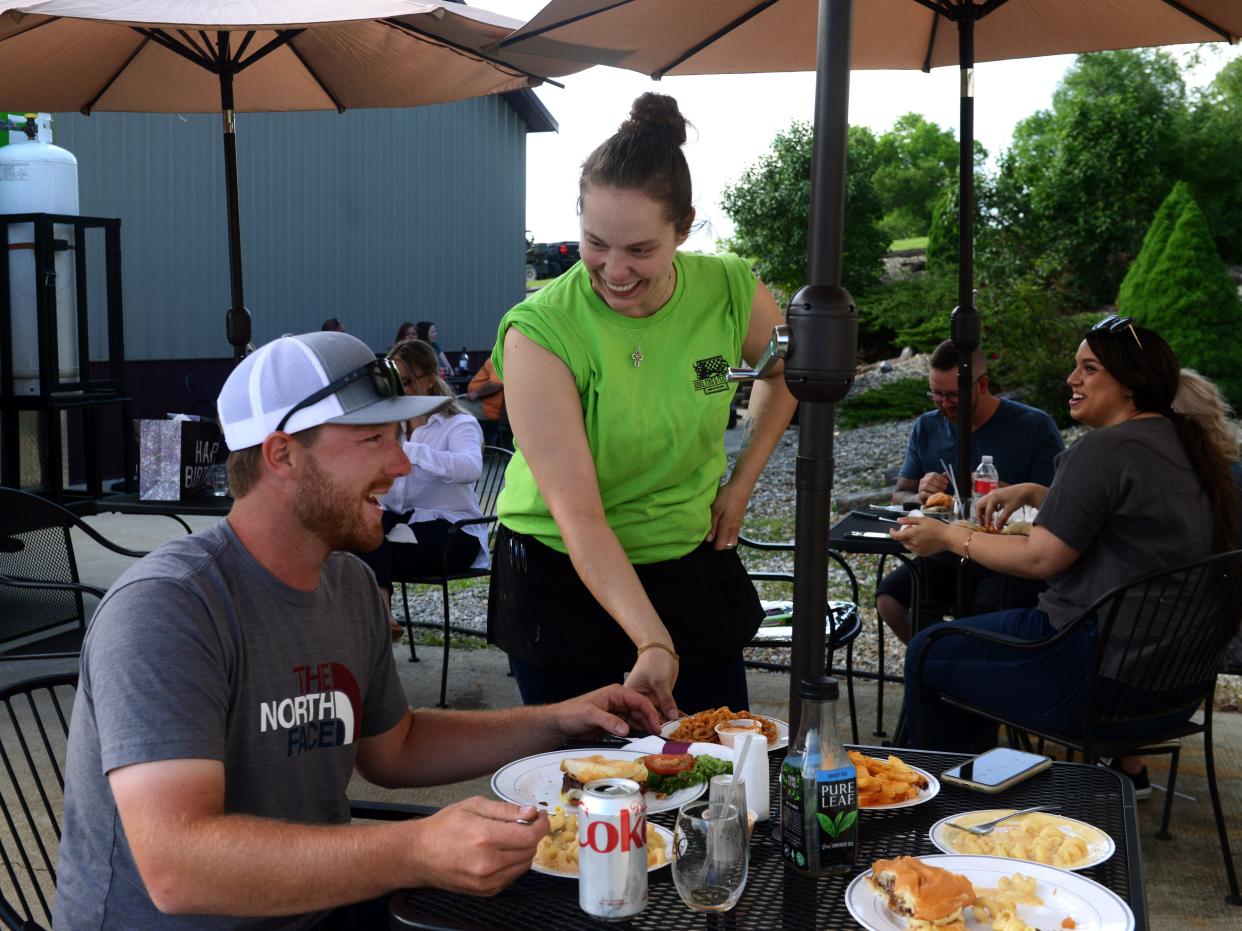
point(861, 457)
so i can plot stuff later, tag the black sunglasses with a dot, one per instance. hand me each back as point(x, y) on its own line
point(1113, 322)
point(385, 379)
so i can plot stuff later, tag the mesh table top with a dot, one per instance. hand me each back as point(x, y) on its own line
point(777, 897)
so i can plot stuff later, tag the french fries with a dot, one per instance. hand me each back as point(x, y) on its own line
point(885, 782)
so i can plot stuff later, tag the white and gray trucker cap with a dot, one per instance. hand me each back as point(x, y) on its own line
point(282, 374)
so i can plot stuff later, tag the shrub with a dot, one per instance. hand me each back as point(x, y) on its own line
point(1186, 295)
point(912, 312)
point(897, 400)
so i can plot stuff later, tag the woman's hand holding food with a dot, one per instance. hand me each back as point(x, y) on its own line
point(654, 675)
point(476, 846)
point(613, 709)
point(923, 536)
point(728, 512)
point(997, 506)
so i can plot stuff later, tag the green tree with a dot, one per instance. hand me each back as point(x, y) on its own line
point(1082, 180)
point(770, 209)
point(1211, 166)
point(914, 161)
point(1186, 295)
point(1139, 283)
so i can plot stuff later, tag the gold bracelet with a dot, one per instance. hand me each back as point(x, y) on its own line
point(659, 646)
point(966, 546)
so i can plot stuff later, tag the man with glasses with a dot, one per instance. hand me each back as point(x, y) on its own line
point(233, 681)
point(1023, 443)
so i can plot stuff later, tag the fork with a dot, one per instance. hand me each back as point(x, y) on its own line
point(987, 827)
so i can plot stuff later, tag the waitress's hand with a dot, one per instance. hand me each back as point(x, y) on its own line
point(654, 675)
point(728, 512)
point(923, 536)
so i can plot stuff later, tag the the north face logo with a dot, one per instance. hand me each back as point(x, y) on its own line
point(709, 375)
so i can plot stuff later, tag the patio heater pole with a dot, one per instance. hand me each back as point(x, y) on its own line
point(819, 367)
point(964, 325)
point(237, 319)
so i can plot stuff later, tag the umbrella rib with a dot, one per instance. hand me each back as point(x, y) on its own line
point(29, 29)
point(931, 41)
point(1201, 20)
point(504, 43)
point(189, 40)
point(340, 107)
point(212, 52)
point(466, 50)
point(86, 109)
point(245, 44)
point(284, 37)
point(718, 34)
point(160, 37)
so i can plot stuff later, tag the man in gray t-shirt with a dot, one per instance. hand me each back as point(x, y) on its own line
point(233, 680)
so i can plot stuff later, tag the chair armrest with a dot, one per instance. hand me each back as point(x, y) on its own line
point(764, 544)
point(388, 811)
point(52, 586)
point(103, 541)
point(457, 527)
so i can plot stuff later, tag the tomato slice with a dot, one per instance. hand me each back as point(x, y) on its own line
point(668, 764)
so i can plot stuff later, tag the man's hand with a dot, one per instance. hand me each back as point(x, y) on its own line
point(931, 484)
point(653, 676)
point(923, 536)
point(476, 846)
point(613, 709)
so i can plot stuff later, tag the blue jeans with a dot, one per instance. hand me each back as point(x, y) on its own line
point(698, 687)
point(1043, 688)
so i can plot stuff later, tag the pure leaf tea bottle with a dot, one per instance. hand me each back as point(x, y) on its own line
point(819, 797)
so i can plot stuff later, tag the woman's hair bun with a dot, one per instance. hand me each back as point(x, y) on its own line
point(658, 114)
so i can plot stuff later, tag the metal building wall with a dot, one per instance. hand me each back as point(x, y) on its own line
point(372, 216)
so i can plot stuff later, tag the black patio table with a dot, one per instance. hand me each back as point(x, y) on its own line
point(202, 505)
point(777, 897)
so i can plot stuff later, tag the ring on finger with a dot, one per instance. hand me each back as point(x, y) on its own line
point(730, 546)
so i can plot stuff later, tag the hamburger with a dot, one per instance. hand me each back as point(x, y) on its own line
point(938, 501)
point(927, 896)
point(578, 771)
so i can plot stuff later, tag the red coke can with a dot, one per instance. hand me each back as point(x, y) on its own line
point(612, 849)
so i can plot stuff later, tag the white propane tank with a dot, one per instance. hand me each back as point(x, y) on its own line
point(38, 177)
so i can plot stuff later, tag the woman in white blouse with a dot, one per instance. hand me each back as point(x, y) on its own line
point(446, 457)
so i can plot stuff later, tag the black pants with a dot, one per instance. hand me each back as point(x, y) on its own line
point(404, 561)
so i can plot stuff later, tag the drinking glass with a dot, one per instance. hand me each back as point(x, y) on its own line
point(219, 480)
point(709, 856)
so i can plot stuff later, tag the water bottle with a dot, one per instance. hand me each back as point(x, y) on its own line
point(819, 796)
point(463, 363)
point(986, 477)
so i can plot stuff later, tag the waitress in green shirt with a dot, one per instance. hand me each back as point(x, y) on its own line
point(615, 559)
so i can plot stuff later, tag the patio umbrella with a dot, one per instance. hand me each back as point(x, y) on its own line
point(180, 56)
point(745, 36)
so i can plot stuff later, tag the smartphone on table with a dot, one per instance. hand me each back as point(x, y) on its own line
point(996, 770)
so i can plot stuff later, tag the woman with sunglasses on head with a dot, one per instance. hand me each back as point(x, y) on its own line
point(615, 555)
point(445, 450)
point(1146, 489)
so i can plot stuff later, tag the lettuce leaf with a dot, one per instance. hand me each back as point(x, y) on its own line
point(704, 768)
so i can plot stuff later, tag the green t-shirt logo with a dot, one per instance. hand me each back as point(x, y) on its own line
point(709, 375)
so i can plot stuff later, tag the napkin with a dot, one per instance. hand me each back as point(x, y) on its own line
point(657, 744)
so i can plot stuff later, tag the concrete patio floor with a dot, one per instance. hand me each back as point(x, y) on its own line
point(1184, 876)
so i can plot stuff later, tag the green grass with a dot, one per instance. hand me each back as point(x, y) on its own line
point(914, 242)
point(898, 400)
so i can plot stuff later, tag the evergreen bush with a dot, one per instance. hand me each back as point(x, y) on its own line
point(898, 400)
point(1185, 294)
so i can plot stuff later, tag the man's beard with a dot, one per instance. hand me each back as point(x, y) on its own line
point(330, 512)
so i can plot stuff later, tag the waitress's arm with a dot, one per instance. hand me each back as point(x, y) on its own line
point(545, 413)
point(771, 408)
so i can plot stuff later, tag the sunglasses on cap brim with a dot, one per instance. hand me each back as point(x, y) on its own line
point(1114, 322)
point(385, 379)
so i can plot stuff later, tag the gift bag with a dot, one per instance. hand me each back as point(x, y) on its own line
point(175, 458)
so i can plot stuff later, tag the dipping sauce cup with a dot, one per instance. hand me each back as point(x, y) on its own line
point(727, 731)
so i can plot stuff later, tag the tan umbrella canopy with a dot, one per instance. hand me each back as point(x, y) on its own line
point(262, 55)
point(659, 37)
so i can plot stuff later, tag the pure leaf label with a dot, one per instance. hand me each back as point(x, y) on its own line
point(826, 824)
point(836, 825)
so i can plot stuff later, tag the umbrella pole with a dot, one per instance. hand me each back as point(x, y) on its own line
point(237, 319)
point(819, 368)
point(964, 327)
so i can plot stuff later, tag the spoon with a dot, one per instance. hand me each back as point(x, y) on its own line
point(987, 827)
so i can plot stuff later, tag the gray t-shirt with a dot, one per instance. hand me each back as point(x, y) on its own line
point(198, 652)
point(1128, 500)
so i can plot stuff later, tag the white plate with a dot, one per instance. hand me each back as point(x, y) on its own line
point(925, 795)
point(1099, 845)
point(1065, 895)
point(536, 780)
point(668, 857)
point(782, 732)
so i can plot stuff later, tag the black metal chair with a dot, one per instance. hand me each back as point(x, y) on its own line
point(842, 623)
point(486, 490)
point(40, 589)
point(1178, 624)
point(34, 729)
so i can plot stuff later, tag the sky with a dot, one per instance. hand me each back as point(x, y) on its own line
point(735, 118)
